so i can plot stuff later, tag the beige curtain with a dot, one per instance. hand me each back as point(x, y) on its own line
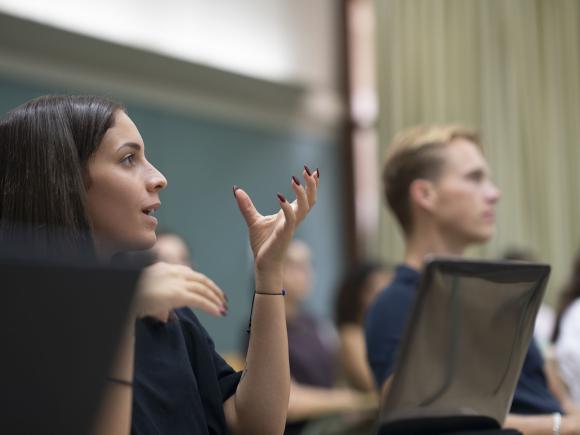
point(510, 68)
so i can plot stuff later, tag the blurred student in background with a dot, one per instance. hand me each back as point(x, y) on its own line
point(546, 316)
point(566, 336)
point(171, 248)
point(356, 292)
point(312, 346)
point(438, 185)
point(543, 332)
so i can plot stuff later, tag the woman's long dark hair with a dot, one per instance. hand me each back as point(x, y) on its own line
point(45, 147)
point(569, 295)
point(349, 299)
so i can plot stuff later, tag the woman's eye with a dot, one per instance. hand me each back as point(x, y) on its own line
point(128, 160)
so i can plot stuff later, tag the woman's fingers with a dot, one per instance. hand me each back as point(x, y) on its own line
point(195, 295)
point(206, 292)
point(198, 283)
point(202, 279)
point(301, 205)
point(246, 206)
point(289, 215)
point(164, 287)
point(305, 198)
point(198, 301)
point(311, 186)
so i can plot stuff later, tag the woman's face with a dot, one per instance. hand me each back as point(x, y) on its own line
point(123, 191)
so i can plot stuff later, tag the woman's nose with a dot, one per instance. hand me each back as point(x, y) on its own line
point(156, 181)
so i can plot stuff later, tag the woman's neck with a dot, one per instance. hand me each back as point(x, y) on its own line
point(104, 251)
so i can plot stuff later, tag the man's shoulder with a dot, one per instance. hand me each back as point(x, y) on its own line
point(396, 296)
point(386, 320)
point(389, 311)
point(397, 290)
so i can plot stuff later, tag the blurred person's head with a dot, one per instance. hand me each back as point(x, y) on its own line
point(171, 248)
point(297, 279)
point(357, 291)
point(437, 182)
point(78, 163)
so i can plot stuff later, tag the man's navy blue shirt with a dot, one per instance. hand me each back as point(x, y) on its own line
point(384, 327)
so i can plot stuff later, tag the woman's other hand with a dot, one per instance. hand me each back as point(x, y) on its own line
point(163, 287)
point(270, 235)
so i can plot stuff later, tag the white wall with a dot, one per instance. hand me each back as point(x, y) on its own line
point(280, 40)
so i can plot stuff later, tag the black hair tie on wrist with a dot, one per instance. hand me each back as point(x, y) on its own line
point(281, 293)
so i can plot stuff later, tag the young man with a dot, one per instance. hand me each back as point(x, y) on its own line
point(437, 183)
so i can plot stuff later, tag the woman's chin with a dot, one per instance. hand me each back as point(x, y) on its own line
point(139, 243)
point(146, 243)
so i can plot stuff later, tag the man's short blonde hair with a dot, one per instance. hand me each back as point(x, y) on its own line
point(416, 154)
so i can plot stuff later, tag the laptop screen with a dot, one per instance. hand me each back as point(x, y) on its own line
point(466, 340)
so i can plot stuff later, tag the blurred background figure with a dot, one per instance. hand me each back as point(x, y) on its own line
point(543, 335)
point(314, 360)
point(171, 248)
point(566, 337)
point(546, 315)
point(357, 290)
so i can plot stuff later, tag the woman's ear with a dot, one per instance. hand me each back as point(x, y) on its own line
point(423, 194)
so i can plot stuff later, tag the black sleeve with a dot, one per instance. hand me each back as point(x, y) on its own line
point(228, 378)
point(194, 332)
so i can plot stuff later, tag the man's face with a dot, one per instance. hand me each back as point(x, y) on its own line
point(465, 195)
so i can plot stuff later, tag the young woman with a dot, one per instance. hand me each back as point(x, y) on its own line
point(79, 163)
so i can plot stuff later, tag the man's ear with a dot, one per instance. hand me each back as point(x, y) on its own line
point(423, 194)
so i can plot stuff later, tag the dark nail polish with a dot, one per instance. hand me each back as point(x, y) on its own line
point(223, 312)
point(307, 169)
point(295, 180)
point(281, 197)
point(318, 172)
point(226, 297)
point(234, 189)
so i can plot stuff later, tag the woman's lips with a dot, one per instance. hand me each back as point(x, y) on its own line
point(152, 220)
point(149, 213)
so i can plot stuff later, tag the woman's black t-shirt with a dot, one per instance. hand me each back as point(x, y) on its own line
point(180, 381)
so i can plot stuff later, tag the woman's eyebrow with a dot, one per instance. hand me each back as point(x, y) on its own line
point(133, 145)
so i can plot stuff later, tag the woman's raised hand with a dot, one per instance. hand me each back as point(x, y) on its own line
point(270, 235)
point(163, 287)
